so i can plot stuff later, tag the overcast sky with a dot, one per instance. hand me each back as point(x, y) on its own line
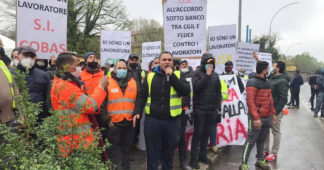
point(302, 23)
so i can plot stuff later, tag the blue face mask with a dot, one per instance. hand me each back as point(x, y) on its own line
point(208, 65)
point(121, 74)
point(271, 70)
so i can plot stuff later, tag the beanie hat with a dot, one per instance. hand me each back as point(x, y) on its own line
point(86, 55)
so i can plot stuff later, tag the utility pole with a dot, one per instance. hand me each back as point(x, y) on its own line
point(240, 21)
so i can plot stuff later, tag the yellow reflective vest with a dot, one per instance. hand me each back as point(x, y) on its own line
point(6, 71)
point(224, 90)
point(175, 99)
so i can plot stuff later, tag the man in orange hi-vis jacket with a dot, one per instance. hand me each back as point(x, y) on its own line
point(68, 98)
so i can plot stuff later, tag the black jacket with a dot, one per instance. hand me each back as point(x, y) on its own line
point(38, 83)
point(187, 77)
point(296, 82)
point(160, 95)
point(207, 88)
point(320, 83)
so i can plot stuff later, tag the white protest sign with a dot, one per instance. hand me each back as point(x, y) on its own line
point(265, 57)
point(185, 27)
point(234, 125)
point(244, 58)
point(42, 25)
point(222, 45)
point(193, 63)
point(150, 50)
point(114, 45)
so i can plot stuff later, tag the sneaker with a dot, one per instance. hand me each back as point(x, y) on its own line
point(243, 166)
point(271, 157)
point(291, 107)
point(262, 165)
point(315, 114)
point(266, 153)
point(184, 166)
point(215, 149)
point(194, 165)
point(205, 161)
point(296, 107)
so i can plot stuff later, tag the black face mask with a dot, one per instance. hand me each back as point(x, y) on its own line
point(228, 69)
point(133, 65)
point(177, 68)
point(93, 64)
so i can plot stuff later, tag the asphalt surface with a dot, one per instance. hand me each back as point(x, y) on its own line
point(302, 142)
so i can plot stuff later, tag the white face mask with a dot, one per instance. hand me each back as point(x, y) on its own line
point(41, 63)
point(15, 62)
point(77, 72)
point(28, 62)
point(185, 70)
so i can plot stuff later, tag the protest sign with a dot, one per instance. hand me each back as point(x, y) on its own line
point(222, 45)
point(266, 57)
point(114, 45)
point(150, 50)
point(185, 27)
point(244, 58)
point(193, 63)
point(42, 25)
point(234, 125)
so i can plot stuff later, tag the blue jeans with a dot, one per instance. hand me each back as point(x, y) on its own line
point(319, 103)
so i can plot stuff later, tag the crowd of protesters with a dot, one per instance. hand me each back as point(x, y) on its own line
point(119, 95)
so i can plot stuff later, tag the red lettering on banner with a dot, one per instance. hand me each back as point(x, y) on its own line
point(54, 48)
point(36, 21)
point(36, 43)
point(221, 133)
point(44, 47)
point(228, 137)
point(240, 129)
point(232, 95)
point(62, 47)
point(230, 130)
point(22, 43)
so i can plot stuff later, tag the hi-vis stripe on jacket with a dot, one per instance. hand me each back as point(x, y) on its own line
point(121, 106)
point(72, 103)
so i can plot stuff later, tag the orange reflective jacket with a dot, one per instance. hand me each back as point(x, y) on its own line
point(68, 98)
point(121, 106)
point(90, 80)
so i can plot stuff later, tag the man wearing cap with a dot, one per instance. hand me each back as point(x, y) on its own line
point(38, 81)
point(135, 71)
point(229, 71)
point(207, 99)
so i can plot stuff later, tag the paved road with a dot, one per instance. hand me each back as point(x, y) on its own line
point(302, 142)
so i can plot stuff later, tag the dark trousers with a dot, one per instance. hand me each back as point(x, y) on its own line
point(121, 140)
point(319, 104)
point(313, 94)
point(203, 123)
point(182, 146)
point(294, 99)
point(256, 136)
point(161, 139)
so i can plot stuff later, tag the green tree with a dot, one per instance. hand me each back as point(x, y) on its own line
point(268, 45)
point(144, 30)
point(306, 63)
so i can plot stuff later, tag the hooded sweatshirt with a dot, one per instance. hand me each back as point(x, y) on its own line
point(279, 89)
point(207, 88)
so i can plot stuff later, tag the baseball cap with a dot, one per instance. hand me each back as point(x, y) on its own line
point(27, 49)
